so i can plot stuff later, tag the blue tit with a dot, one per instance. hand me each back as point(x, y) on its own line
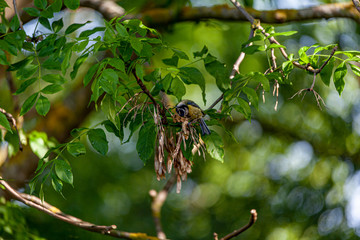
point(190, 110)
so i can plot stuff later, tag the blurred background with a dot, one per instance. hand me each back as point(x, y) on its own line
point(297, 166)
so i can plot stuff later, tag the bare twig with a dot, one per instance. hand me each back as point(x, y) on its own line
point(251, 222)
point(17, 14)
point(12, 120)
point(47, 208)
point(357, 4)
point(158, 200)
point(147, 92)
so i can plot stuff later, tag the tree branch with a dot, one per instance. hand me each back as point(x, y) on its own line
point(357, 4)
point(47, 208)
point(158, 200)
point(251, 222)
point(159, 16)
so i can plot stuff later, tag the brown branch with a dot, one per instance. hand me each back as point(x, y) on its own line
point(357, 4)
point(47, 208)
point(147, 92)
point(17, 15)
point(251, 222)
point(158, 200)
point(162, 17)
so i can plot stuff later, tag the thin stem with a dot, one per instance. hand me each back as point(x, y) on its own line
point(251, 222)
point(18, 16)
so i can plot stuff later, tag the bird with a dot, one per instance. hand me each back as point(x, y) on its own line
point(190, 110)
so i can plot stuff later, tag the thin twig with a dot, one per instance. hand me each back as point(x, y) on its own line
point(158, 200)
point(47, 208)
point(147, 92)
point(17, 14)
point(251, 222)
point(357, 4)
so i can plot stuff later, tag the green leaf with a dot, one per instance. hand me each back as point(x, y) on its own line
point(260, 77)
point(214, 146)
point(63, 171)
point(40, 4)
point(42, 105)
point(25, 85)
point(5, 122)
point(145, 145)
point(274, 45)
point(54, 78)
point(3, 59)
point(52, 63)
point(32, 11)
point(191, 75)
point(21, 64)
point(56, 183)
point(327, 71)
point(77, 65)
point(90, 73)
point(38, 142)
point(339, 75)
point(121, 30)
point(355, 69)
point(252, 96)
point(287, 66)
point(218, 71)
point(180, 54)
point(243, 108)
point(26, 71)
point(76, 149)
point(289, 33)
point(73, 27)
point(14, 24)
point(56, 6)
point(57, 25)
point(136, 44)
point(173, 61)
point(98, 140)
point(108, 80)
point(177, 88)
point(51, 89)
point(203, 51)
point(253, 49)
point(45, 22)
point(28, 104)
point(87, 33)
point(118, 64)
point(72, 4)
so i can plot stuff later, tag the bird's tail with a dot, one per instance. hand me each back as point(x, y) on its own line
point(204, 128)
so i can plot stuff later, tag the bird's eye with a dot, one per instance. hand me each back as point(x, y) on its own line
point(181, 112)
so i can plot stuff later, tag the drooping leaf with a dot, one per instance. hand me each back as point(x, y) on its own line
point(76, 149)
point(252, 96)
point(72, 4)
point(87, 33)
point(54, 78)
point(327, 71)
point(218, 71)
point(63, 171)
point(75, 26)
point(177, 88)
point(56, 183)
point(98, 140)
point(243, 107)
point(146, 142)
point(57, 25)
point(108, 80)
point(25, 85)
point(5, 122)
point(40, 3)
point(28, 104)
point(51, 89)
point(191, 75)
point(42, 105)
point(32, 11)
point(339, 76)
point(214, 146)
